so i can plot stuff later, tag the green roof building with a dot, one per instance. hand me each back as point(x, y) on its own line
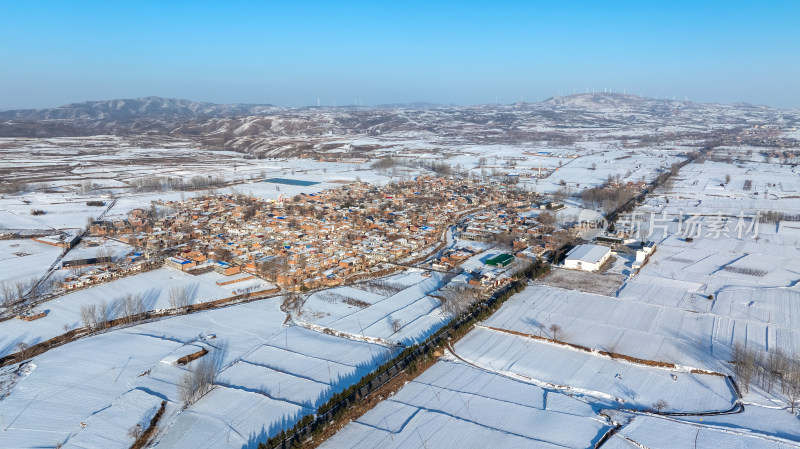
point(501, 260)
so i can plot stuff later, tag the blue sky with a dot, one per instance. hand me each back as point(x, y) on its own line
point(293, 52)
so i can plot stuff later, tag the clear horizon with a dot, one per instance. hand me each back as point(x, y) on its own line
point(464, 53)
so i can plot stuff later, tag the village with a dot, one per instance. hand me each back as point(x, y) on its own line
point(334, 236)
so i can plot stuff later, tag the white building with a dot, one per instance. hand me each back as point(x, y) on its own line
point(587, 257)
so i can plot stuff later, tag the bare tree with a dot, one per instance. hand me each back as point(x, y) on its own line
point(272, 266)
point(78, 270)
point(94, 316)
point(561, 194)
point(179, 297)
point(135, 431)
point(87, 186)
point(101, 314)
point(547, 218)
point(20, 289)
point(88, 316)
point(24, 350)
point(456, 300)
point(790, 384)
point(744, 365)
point(396, 324)
point(660, 405)
point(132, 307)
point(7, 293)
point(105, 253)
point(197, 381)
point(555, 329)
point(293, 303)
point(776, 364)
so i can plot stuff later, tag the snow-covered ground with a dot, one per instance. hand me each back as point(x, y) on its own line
point(64, 312)
point(418, 314)
point(598, 378)
point(455, 405)
point(688, 305)
point(24, 259)
point(269, 375)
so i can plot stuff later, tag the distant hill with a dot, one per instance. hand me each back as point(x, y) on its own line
point(269, 131)
point(131, 109)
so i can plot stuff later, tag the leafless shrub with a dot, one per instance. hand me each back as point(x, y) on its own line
point(329, 296)
point(745, 270)
point(333, 297)
point(772, 216)
point(356, 303)
point(381, 287)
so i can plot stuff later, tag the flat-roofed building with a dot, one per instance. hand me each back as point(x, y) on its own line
point(587, 257)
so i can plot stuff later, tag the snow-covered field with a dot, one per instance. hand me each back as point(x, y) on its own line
point(417, 314)
point(63, 313)
point(269, 375)
point(598, 378)
point(24, 259)
point(659, 433)
point(455, 405)
point(278, 371)
point(688, 305)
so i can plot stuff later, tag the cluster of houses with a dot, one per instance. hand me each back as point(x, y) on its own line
point(89, 276)
point(493, 273)
point(95, 270)
point(518, 225)
point(65, 239)
point(309, 240)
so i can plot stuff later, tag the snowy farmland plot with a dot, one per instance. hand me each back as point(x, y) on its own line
point(598, 378)
point(24, 259)
point(660, 433)
point(397, 308)
point(455, 405)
